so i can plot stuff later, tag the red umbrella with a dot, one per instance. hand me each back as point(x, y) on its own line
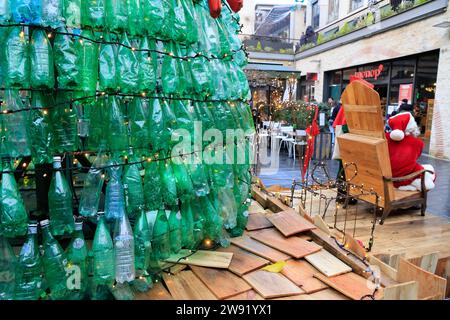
point(312, 131)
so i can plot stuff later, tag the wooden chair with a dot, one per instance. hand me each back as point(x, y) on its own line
point(365, 155)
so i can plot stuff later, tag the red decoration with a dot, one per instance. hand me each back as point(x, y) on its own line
point(215, 8)
point(312, 131)
point(236, 5)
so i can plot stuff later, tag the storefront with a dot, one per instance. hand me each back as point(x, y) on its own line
point(412, 77)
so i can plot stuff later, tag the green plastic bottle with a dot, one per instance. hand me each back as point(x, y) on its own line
point(107, 61)
point(55, 264)
point(161, 236)
point(72, 13)
point(127, 67)
point(114, 196)
point(187, 226)
point(51, 12)
point(142, 244)
point(14, 125)
point(78, 269)
point(103, 252)
point(175, 230)
point(152, 186)
point(169, 185)
point(93, 13)
point(13, 215)
point(39, 129)
point(16, 67)
point(29, 268)
point(135, 19)
point(185, 189)
point(153, 16)
point(41, 55)
point(88, 53)
point(116, 12)
point(138, 115)
point(60, 202)
point(147, 66)
point(170, 76)
point(118, 138)
point(134, 191)
point(64, 122)
point(8, 264)
point(65, 56)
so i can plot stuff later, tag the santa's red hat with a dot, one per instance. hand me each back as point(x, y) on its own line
point(401, 124)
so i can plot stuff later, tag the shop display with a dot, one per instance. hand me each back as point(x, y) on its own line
point(111, 93)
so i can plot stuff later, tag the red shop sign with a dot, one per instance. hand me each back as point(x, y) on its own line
point(374, 73)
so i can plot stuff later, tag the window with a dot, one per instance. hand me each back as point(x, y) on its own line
point(315, 15)
point(261, 13)
point(355, 4)
point(403, 70)
point(333, 10)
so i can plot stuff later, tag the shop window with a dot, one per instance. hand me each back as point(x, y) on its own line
point(356, 4)
point(403, 70)
point(315, 15)
point(333, 10)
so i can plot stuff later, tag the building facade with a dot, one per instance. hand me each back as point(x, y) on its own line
point(404, 52)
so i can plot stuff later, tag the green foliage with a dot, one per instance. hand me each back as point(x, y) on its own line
point(258, 46)
point(344, 29)
point(321, 39)
point(370, 19)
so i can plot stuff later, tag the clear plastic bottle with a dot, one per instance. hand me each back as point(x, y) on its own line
point(115, 197)
point(8, 264)
point(29, 268)
point(60, 202)
point(55, 263)
point(93, 183)
point(13, 216)
point(103, 252)
point(124, 250)
point(77, 257)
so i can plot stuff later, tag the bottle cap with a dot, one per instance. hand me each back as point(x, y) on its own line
point(79, 226)
point(57, 159)
point(44, 223)
point(32, 227)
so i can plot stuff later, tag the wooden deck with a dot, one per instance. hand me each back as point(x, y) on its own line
point(311, 277)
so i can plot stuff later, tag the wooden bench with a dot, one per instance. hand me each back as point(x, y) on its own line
point(365, 155)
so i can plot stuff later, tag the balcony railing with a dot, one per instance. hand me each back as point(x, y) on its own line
point(359, 21)
point(267, 44)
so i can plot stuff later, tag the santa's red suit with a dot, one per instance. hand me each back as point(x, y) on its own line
point(404, 151)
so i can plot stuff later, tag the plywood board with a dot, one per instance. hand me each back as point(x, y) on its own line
point(202, 258)
point(248, 295)
point(158, 292)
point(322, 225)
point(257, 221)
point(351, 285)
point(243, 261)
point(259, 196)
point(443, 270)
point(352, 245)
point(272, 285)
point(222, 283)
point(327, 294)
point(259, 249)
point(186, 286)
point(293, 246)
point(302, 273)
point(290, 223)
point(255, 207)
point(402, 291)
point(328, 264)
point(427, 262)
point(430, 285)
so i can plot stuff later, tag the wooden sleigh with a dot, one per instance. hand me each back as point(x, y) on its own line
point(365, 156)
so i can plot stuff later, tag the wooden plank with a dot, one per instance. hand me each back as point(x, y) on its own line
point(427, 262)
point(403, 291)
point(430, 285)
point(202, 258)
point(443, 270)
point(255, 207)
point(352, 245)
point(305, 215)
point(351, 285)
point(248, 295)
point(222, 283)
point(257, 221)
point(158, 292)
point(243, 261)
point(322, 225)
point(186, 286)
point(259, 196)
point(290, 223)
point(327, 294)
point(302, 273)
point(271, 285)
point(328, 264)
point(293, 246)
point(276, 205)
point(330, 245)
point(388, 274)
point(259, 249)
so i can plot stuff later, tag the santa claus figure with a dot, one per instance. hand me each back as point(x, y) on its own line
point(405, 149)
